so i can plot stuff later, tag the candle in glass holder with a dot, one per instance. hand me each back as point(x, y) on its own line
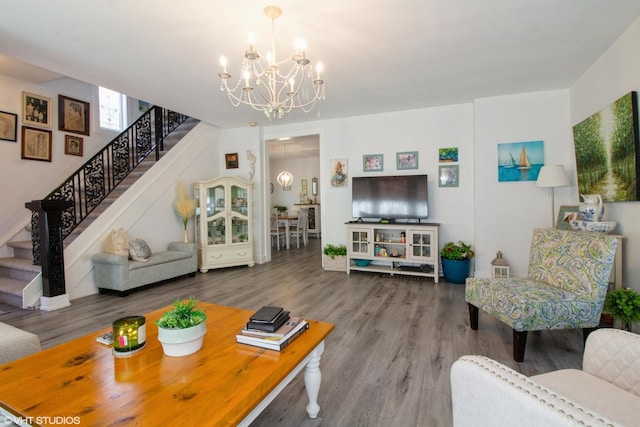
point(129, 334)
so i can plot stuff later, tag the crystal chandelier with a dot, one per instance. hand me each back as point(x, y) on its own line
point(274, 87)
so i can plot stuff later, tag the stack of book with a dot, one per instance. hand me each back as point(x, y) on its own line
point(271, 328)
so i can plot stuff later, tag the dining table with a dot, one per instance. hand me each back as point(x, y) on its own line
point(286, 221)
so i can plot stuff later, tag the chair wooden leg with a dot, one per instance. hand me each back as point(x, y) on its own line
point(519, 343)
point(473, 316)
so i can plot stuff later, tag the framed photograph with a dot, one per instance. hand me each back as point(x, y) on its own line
point(303, 183)
point(36, 110)
point(449, 176)
point(8, 126)
point(372, 163)
point(73, 145)
point(36, 144)
point(73, 115)
point(566, 214)
point(339, 172)
point(448, 155)
point(143, 106)
point(407, 160)
point(231, 160)
point(303, 192)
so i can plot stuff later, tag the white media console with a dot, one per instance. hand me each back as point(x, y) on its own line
point(398, 248)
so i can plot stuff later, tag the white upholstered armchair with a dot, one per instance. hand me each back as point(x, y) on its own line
point(606, 392)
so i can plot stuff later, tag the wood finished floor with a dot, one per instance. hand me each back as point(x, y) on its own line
point(387, 362)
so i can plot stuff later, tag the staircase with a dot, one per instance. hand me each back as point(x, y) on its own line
point(17, 272)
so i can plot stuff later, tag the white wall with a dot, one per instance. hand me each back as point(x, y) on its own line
point(614, 74)
point(423, 130)
point(507, 212)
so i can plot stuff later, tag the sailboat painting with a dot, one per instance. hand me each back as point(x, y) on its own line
point(520, 161)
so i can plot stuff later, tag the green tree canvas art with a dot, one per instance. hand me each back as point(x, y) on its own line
point(606, 148)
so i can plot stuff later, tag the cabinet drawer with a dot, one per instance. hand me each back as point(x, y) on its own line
point(226, 255)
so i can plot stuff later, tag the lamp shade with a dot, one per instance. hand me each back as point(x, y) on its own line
point(552, 176)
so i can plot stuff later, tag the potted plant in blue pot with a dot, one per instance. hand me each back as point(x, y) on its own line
point(456, 261)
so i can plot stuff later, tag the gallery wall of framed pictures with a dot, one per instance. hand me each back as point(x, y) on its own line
point(35, 133)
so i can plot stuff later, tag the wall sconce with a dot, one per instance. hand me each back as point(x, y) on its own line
point(499, 267)
point(314, 186)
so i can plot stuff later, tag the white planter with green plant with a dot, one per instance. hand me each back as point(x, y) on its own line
point(181, 330)
point(334, 258)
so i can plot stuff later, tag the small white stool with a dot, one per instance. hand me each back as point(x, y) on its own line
point(16, 343)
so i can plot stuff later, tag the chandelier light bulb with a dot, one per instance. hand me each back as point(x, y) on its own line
point(278, 86)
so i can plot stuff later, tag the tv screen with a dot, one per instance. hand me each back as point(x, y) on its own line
point(392, 197)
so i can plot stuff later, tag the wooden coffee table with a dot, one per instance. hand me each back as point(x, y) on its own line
point(225, 383)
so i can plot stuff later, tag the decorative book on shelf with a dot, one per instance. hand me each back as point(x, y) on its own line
point(274, 342)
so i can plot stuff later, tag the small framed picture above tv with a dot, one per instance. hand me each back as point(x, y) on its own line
point(372, 163)
point(449, 176)
point(407, 160)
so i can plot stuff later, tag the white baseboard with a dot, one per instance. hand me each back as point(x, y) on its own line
point(54, 303)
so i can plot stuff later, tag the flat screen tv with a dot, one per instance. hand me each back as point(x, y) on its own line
point(390, 197)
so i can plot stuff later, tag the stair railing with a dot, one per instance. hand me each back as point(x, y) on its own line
point(93, 181)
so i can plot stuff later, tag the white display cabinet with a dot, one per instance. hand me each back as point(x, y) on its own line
point(223, 223)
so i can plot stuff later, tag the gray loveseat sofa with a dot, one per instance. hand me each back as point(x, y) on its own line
point(119, 273)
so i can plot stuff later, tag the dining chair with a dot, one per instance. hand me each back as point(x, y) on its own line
point(277, 230)
point(300, 228)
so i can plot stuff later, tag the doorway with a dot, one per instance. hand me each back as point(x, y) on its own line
point(299, 155)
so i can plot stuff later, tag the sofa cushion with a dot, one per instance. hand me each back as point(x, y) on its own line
point(159, 258)
point(594, 393)
point(16, 343)
point(117, 243)
point(528, 305)
point(139, 250)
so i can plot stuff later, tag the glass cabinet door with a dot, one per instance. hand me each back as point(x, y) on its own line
point(421, 244)
point(360, 242)
point(239, 214)
point(216, 221)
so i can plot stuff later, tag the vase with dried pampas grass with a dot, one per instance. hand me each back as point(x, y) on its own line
point(185, 207)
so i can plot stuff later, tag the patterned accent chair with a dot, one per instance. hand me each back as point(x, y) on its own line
point(565, 288)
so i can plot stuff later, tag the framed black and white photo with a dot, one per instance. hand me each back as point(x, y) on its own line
point(73, 145)
point(36, 110)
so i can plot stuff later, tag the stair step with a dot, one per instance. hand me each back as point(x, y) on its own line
point(22, 249)
point(19, 269)
point(11, 291)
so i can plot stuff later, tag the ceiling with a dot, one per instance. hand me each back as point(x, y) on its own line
point(381, 56)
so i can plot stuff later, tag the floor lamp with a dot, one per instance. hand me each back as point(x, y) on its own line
point(552, 176)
